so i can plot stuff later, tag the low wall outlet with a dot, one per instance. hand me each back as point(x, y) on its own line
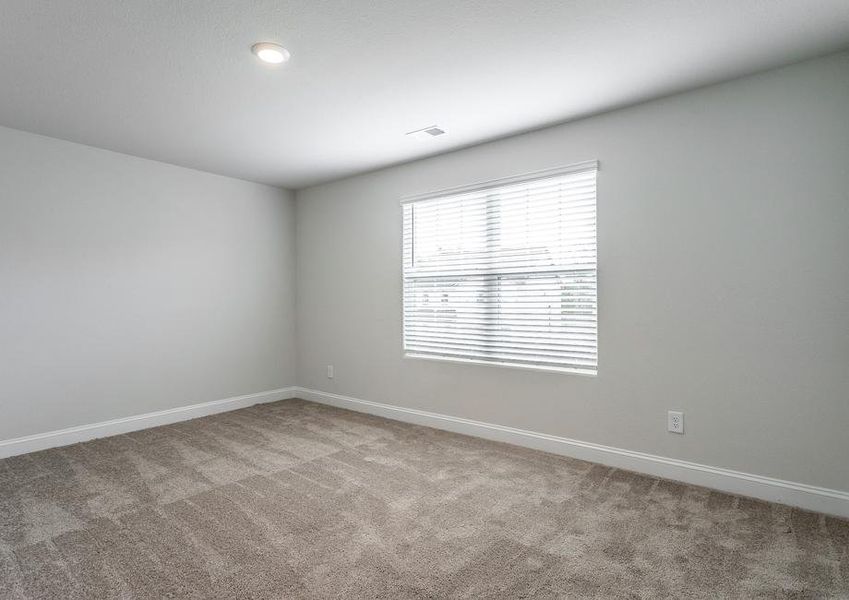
point(675, 421)
point(330, 371)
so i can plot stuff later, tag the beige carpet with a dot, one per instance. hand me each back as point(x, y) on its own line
point(298, 500)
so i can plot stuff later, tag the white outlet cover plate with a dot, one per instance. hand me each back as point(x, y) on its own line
point(675, 421)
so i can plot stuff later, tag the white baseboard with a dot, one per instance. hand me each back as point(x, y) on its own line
point(72, 435)
point(824, 500)
point(833, 502)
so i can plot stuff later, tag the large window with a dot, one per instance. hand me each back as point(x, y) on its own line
point(505, 272)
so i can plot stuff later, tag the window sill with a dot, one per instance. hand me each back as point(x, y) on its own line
point(487, 363)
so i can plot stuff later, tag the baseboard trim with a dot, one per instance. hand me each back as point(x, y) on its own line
point(823, 500)
point(83, 433)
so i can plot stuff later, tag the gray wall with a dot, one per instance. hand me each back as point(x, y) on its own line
point(723, 219)
point(129, 286)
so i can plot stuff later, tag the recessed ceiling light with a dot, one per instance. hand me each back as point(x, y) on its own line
point(426, 133)
point(271, 53)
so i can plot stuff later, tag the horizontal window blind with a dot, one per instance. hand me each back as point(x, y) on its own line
point(505, 272)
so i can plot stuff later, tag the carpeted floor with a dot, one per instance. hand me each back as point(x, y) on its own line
point(298, 500)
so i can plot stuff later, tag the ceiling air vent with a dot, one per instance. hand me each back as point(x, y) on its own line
point(426, 133)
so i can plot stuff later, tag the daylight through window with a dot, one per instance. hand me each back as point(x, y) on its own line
point(505, 272)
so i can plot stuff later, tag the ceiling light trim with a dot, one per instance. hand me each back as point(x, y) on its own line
point(271, 53)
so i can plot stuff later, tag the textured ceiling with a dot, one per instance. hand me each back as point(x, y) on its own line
point(175, 80)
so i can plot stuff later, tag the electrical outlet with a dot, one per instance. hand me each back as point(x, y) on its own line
point(330, 371)
point(675, 421)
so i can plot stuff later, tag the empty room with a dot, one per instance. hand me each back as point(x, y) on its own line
point(403, 300)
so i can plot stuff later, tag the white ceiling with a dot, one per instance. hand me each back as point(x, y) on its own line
point(175, 80)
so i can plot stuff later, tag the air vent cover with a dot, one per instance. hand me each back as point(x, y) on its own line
point(426, 133)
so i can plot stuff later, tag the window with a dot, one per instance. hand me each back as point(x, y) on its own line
point(505, 272)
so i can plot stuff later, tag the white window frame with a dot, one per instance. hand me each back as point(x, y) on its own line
point(481, 186)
